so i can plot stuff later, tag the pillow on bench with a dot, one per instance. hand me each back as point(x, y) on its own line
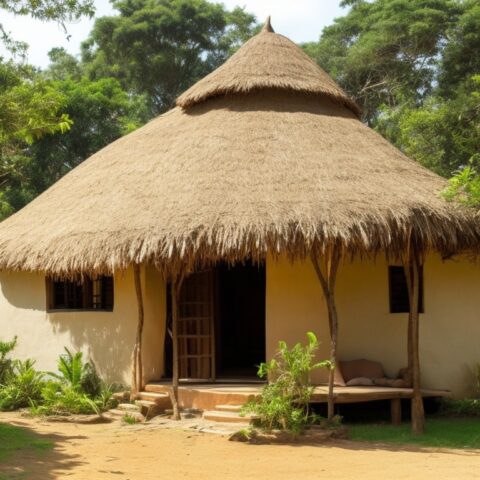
point(361, 368)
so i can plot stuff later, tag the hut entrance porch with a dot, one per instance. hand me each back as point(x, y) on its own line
point(221, 323)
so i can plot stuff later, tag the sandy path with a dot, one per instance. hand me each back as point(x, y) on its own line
point(117, 452)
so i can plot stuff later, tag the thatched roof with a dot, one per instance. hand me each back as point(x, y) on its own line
point(267, 61)
point(234, 175)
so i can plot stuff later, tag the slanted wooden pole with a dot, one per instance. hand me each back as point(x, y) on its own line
point(176, 286)
point(327, 275)
point(137, 373)
point(412, 267)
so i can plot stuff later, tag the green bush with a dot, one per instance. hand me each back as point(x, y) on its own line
point(79, 375)
point(467, 407)
point(23, 385)
point(284, 402)
point(6, 364)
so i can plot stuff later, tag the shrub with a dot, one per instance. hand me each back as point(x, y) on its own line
point(467, 407)
point(23, 385)
point(62, 399)
point(284, 402)
point(79, 375)
point(6, 363)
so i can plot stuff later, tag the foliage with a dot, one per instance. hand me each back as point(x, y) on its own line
point(160, 48)
point(466, 407)
point(29, 109)
point(19, 440)
point(78, 375)
point(284, 402)
point(439, 432)
point(63, 399)
point(129, 419)
point(22, 386)
point(6, 364)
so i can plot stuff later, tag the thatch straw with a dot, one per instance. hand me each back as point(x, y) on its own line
point(234, 177)
point(267, 60)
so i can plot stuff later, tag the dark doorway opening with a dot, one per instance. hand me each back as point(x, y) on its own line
point(238, 308)
point(239, 319)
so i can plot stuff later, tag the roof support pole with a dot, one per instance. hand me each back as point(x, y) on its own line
point(326, 271)
point(137, 369)
point(412, 264)
point(175, 293)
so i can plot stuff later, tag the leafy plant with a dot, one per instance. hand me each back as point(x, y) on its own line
point(79, 375)
point(22, 387)
point(6, 363)
point(63, 399)
point(129, 419)
point(284, 402)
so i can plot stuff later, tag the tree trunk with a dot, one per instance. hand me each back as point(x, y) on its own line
point(412, 274)
point(176, 286)
point(327, 278)
point(137, 374)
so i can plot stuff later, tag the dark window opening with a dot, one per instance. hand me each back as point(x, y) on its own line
point(86, 293)
point(399, 301)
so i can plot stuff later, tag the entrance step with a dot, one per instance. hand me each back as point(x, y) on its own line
point(161, 400)
point(128, 407)
point(116, 413)
point(228, 408)
point(227, 417)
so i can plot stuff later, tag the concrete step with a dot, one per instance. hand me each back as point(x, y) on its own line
point(228, 408)
point(145, 403)
point(227, 417)
point(128, 407)
point(161, 400)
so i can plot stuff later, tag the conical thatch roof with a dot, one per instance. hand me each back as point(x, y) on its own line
point(235, 173)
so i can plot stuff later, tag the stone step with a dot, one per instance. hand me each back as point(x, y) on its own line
point(228, 408)
point(145, 403)
point(161, 400)
point(128, 407)
point(227, 417)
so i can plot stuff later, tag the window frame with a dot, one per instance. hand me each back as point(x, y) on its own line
point(87, 295)
point(392, 301)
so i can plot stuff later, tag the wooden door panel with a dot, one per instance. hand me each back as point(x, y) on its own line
point(195, 327)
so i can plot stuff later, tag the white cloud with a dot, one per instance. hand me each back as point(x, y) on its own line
point(301, 20)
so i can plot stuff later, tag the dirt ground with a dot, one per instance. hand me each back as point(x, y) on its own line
point(114, 451)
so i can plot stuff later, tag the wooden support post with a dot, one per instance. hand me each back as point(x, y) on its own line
point(396, 411)
point(412, 266)
point(137, 369)
point(176, 286)
point(327, 277)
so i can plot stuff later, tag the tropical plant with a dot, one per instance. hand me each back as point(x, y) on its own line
point(284, 402)
point(6, 363)
point(23, 386)
point(77, 374)
point(63, 399)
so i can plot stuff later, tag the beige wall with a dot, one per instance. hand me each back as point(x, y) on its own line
point(449, 335)
point(450, 327)
point(105, 337)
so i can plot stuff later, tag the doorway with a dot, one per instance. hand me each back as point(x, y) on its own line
point(221, 324)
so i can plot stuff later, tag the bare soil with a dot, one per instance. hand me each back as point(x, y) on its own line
point(158, 451)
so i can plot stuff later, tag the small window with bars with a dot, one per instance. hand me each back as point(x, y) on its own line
point(83, 293)
point(399, 301)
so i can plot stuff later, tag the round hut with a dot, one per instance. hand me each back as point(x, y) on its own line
point(265, 158)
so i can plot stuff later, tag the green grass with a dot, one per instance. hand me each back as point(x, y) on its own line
point(439, 432)
point(17, 439)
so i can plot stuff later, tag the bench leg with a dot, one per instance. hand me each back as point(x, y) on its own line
point(396, 411)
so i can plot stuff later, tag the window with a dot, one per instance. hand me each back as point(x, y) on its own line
point(399, 302)
point(86, 293)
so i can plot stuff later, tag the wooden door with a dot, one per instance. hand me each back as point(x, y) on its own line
point(196, 327)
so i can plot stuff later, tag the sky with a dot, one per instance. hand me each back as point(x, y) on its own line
point(300, 20)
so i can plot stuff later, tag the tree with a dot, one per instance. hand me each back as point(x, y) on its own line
point(384, 52)
point(161, 47)
point(29, 109)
